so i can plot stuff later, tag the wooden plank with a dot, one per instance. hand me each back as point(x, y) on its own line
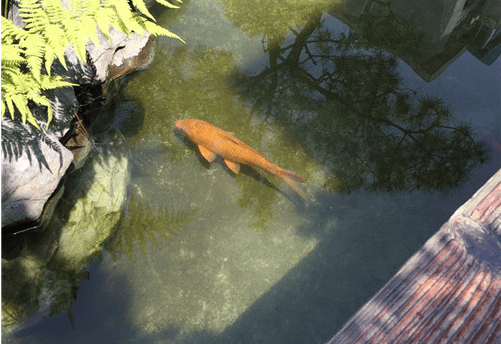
point(447, 292)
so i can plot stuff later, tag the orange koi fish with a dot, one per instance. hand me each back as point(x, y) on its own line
point(214, 141)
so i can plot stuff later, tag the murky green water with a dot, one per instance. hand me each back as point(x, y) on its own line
point(204, 256)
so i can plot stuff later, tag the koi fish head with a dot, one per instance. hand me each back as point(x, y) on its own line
point(185, 125)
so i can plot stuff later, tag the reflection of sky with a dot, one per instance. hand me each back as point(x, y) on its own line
point(471, 88)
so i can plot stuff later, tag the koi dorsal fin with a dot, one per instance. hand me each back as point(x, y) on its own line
point(207, 154)
point(232, 166)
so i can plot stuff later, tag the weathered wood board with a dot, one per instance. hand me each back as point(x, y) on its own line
point(449, 291)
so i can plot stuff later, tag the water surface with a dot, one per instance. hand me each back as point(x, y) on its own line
point(204, 256)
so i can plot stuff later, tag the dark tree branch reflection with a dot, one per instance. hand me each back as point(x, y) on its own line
point(344, 99)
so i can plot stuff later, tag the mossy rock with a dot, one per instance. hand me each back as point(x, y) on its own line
point(98, 194)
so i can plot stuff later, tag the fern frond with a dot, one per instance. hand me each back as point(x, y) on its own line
point(141, 7)
point(35, 51)
point(54, 48)
point(104, 18)
point(167, 4)
point(35, 17)
point(10, 106)
point(57, 13)
point(22, 105)
point(157, 30)
point(50, 28)
point(19, 88)
point(51, 82)
point(89, 23)
point(123, 16)
point(11, 32)
point(11, 55)
point(56, 33)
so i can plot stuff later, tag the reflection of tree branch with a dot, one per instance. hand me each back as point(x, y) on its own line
point(274, 56)
point(372, 132)
point(302, 39)
point(313, 82)
point(402, 129)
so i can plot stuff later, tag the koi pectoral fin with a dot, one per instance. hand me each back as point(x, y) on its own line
point(232, 166)
point(207, 154)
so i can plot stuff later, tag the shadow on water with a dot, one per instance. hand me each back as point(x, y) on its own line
point(308, 304)
point(112, 299)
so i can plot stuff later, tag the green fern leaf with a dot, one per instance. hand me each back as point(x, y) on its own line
point(22, 105)
point(52, 82)
point(19, 88)
point(34, 15)
point(10, 32)
point(157, 30)
point(89, 22)
point(141, 7)
point(35, 48)
point(58, 13)
point(78, 41)
point(50, 28)
point(54, 48)
point(55, 33)
point(9, 105)
point(124, 17)
point(167, 4)
point(104, 18)
point(11, 55)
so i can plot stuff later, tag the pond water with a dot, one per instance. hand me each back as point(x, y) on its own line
point(206, 256)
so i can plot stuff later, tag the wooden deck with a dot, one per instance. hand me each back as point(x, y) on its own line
point(449, 291)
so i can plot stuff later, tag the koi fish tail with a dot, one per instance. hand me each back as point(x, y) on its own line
point(291, 179)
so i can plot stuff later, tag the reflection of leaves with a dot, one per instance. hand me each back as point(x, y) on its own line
point(272, 18)
point(21, 282)
point(64, 287)
point(353, 114)
point(140, 225)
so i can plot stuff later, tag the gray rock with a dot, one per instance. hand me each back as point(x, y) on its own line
point(120, 48)
point(33, 162)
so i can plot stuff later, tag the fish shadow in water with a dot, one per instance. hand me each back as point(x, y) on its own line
point(244, 169)
point(250, 172)
point(259, 177)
